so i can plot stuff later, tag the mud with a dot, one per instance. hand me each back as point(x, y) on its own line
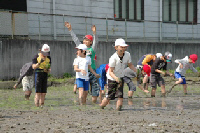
point(176, 113)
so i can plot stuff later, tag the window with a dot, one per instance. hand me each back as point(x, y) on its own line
point(15, 5)
point(183, 11)
point(129, 9)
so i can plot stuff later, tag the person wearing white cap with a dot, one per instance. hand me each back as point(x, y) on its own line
point(156, 78)
point(81, 65)
point(41, 64)
point(117, 63)
point(158, 55)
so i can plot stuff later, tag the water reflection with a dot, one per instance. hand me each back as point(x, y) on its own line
point(153, 102)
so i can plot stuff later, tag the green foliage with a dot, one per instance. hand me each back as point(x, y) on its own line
point(67, 75)
point(198, 69)
point(50, 75)
point(171, 71)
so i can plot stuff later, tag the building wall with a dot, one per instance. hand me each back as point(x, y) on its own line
point(137, 31)
point(15, 53)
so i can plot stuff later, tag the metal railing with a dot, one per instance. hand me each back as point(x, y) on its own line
point(40, 26)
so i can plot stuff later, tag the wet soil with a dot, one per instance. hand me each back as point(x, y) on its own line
point(177, 113)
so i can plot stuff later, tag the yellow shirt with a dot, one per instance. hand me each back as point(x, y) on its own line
point(45, 64)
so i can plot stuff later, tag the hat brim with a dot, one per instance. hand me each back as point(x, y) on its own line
point(169, 61)
point(45, 53)
point(87, 38)
point(123, 45)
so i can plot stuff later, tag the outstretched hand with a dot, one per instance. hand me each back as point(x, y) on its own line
point(68, 25)
point(94, 29)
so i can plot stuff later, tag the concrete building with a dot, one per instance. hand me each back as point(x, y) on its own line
point(134, 20)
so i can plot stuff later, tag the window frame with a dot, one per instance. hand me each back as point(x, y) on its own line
point(127, 11)
point(178, 12)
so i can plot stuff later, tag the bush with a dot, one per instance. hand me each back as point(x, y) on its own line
point(67, 75)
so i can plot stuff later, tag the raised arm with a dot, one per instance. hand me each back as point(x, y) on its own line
point(73, 35)
point(95, 38)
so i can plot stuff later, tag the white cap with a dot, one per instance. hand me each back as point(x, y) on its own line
point(158, 55)
point(82, 46)
point(120, 42)
point(45, 50)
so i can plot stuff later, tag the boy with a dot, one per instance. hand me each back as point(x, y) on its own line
point(184, 64)
point(102, 80)
point(156, 78)
point(128, 74)
point(26, 77)
point(88, 41)
point(147, 59)
point(117, 63)
point(41, 64)
point(81, 65)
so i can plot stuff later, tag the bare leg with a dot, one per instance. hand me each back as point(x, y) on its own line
point(27, 94)
point(80, 96)
point(153, 92)
point(119, 104)
point(163, 90)
point(85, 93)
point(75, 88)
point(37, 97)
point(185, 88)
point(104, 102)
point(94, 99)
point(145, 80)
point(130, 94)
point(100, 95)
point(42, 99)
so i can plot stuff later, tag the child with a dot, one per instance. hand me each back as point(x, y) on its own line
point(81, 65)
point(147, 59)
point(90, 42)
point(102, 80)
point(184, 64)
point(41, 65)
point(156, 78)
point(26, 77)
point(128, 74)
point(117, 63)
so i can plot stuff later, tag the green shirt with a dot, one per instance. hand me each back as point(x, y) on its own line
point(91, 53)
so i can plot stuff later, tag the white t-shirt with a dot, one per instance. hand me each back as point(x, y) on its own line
point(82, 64)
point(119, 66)
point(186, 65)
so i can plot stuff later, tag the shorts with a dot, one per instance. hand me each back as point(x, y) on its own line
point(94, 84)
point(156, 79)
point(41, 82)
point(102, 83)
point(27, 83)
point(82, 83)
point(129, 83)
point(178, 75)
point(113, 88)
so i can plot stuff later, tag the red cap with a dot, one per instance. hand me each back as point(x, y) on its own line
point(89, 37)
point(95, 58)
point(147, 69)
point(107, 66)
point(193, 57)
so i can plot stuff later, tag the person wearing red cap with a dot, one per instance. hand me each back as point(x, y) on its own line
point(90, 42)
point(156, 78)
point(129, 73)
point(184, 64)
point(147, 59)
